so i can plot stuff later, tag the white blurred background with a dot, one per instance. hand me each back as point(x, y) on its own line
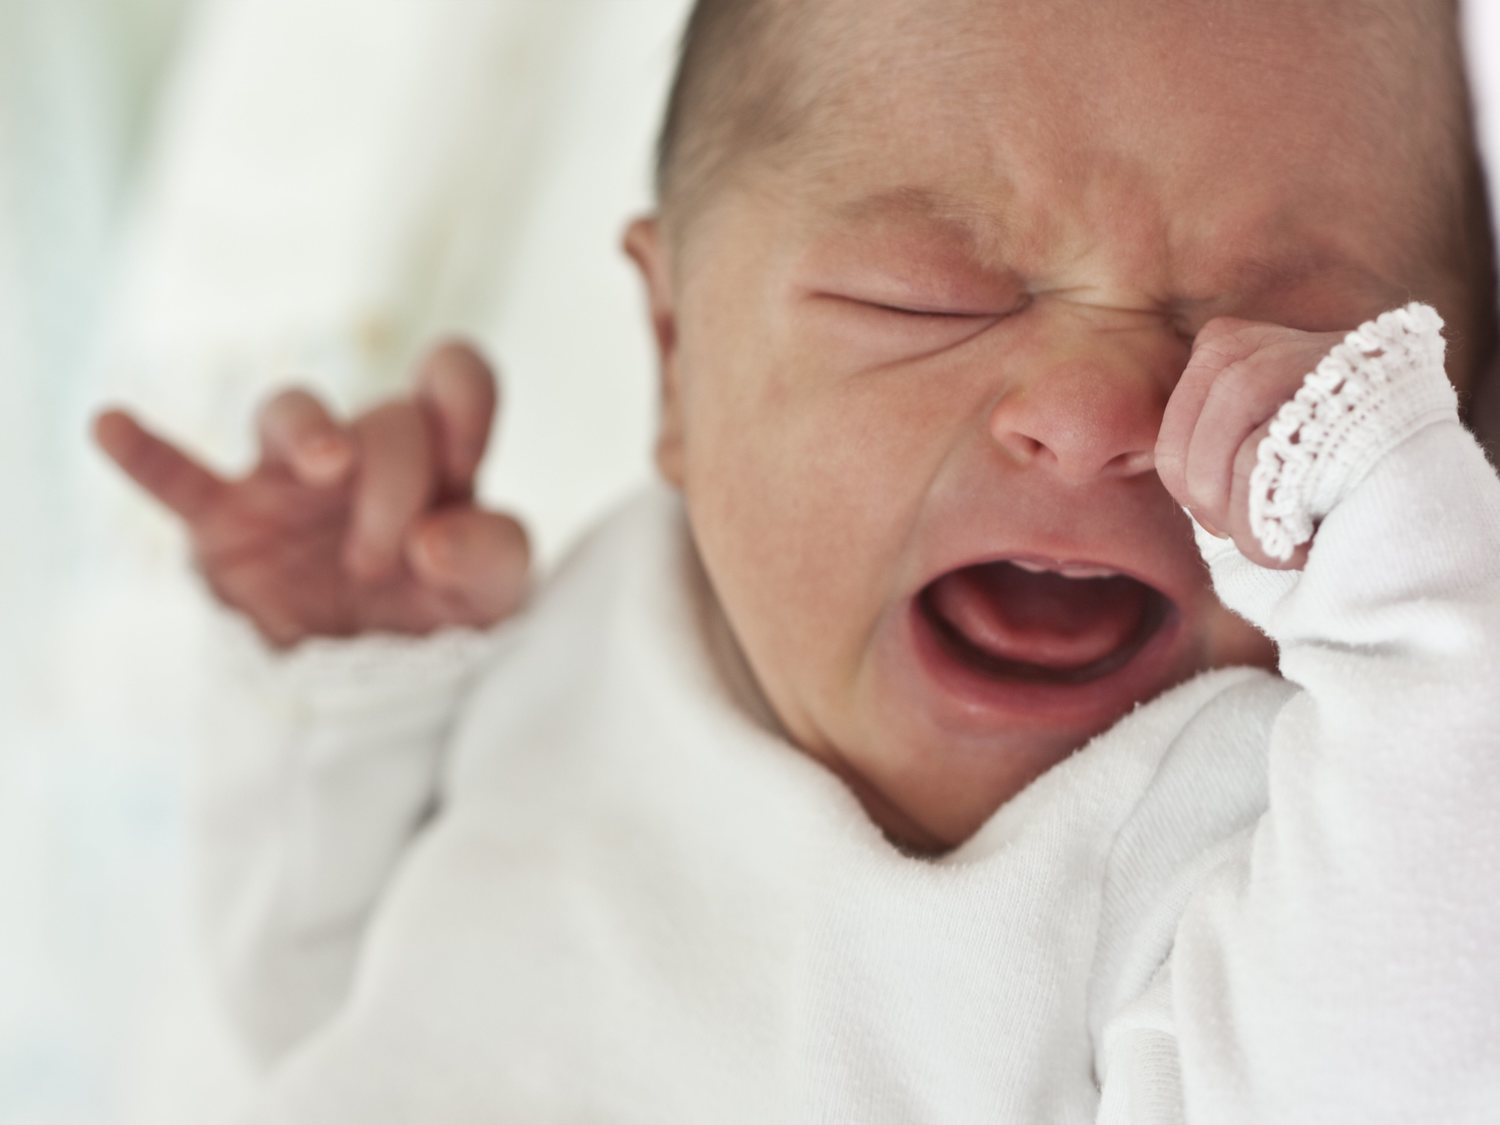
point(201, 200)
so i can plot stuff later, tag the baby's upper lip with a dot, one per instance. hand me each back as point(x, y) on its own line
point(1132, 529)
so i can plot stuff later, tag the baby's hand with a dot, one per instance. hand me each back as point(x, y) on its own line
point(1239, 375)
point(347, 529)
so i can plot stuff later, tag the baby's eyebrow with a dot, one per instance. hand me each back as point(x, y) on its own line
point(900, 200)
point(1254, 274)
point(981, 229)
point(993, 232)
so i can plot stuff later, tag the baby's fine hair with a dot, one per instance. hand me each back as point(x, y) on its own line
point(723, 95)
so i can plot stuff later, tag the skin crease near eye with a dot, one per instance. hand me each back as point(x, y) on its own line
point(902, 290)
point(941, 326)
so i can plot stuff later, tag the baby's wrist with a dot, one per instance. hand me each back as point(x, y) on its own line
point(369, 672)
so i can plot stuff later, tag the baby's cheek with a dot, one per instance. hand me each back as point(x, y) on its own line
point(802, 504)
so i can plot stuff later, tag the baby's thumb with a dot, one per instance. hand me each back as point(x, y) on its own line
point(481, 557)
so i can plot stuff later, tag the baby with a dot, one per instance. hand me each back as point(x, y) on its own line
point(769, 807)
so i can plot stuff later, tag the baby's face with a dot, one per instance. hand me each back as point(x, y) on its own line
point(942, 336)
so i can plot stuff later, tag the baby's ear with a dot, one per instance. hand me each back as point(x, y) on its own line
point(648, 247)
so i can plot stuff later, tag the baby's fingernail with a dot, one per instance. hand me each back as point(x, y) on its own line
point(325, 455)
point(437, 550)
point(364, 563)
point(1205, 524)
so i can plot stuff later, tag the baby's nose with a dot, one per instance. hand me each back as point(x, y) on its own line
point(1081, 422)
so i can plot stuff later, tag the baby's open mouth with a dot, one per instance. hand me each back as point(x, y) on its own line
point(1042, 622)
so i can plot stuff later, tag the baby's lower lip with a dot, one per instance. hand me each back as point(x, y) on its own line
point(964, 697)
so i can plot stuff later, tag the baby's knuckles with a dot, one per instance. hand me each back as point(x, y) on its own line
point(274, 548)
point(1239, 376)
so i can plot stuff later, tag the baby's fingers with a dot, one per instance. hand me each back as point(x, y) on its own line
point(480, 557)
point(1221, 344)
point(168, 474)
point(395, 484)
point(297, 431)
point(459, 390)
point(1241, 401)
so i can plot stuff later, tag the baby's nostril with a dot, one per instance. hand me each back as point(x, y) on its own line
point(1024, 448)
point(1132, 464)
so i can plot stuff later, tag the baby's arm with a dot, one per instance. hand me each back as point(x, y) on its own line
point(325, 756)
point(1345, 964)
point(322, 766)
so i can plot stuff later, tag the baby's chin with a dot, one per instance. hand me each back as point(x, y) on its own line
point(990, 675)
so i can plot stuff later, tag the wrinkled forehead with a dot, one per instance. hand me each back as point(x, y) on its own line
point(1166, 122)
point(1373, 51)
point(1163, 84)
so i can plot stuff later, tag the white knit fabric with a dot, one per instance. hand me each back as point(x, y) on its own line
point(330, 670)
point(1256, 899)
point(1383, 383)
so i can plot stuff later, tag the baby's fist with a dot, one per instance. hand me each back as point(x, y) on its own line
point(1239, 375)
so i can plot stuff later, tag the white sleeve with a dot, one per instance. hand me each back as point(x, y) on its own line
point(1344, 965)
point(321, 765)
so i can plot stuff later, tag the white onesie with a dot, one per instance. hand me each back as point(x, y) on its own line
point(570, 873)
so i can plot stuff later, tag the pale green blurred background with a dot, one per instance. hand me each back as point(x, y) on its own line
point(200, 200)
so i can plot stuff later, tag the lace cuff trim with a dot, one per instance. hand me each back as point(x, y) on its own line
point(1381, 385)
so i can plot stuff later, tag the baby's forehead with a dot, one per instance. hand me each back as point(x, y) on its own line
point(981, 101)
point(1214, 112)
point(1384, 64)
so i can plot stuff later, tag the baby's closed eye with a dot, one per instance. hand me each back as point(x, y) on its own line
point(898, 328)
point(893, 296)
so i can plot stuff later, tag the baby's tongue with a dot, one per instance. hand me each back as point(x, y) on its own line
point(1042, 619)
